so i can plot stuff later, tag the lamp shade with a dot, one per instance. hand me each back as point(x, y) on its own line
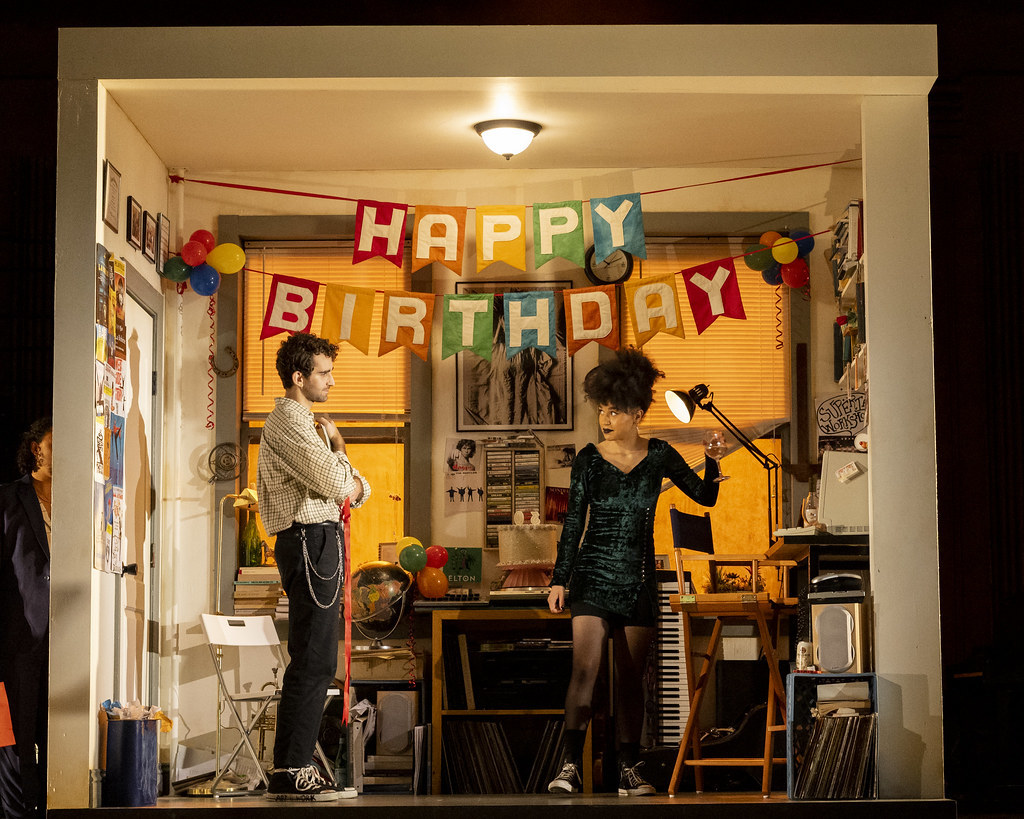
point(681, 404)
point(507, 137)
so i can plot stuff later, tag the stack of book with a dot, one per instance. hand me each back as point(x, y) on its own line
point(257, 590)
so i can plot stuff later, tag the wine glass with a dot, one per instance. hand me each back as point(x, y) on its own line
point(716, 447)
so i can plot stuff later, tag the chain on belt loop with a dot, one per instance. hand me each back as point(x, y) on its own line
point(309, 567)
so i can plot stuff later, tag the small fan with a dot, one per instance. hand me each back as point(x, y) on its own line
point(226, 462)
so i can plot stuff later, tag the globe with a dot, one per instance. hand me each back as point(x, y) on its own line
point(379, 589)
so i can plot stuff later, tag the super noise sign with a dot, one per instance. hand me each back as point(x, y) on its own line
point(842, 414)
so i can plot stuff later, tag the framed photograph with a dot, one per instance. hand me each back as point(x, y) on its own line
point(149, 236)
point(531, 390)
point(111, 195)
point(163, 241)
point(134, 227)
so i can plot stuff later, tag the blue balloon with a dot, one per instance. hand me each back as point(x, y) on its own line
point(204, 280)
point(772, 275)
point(804, 241)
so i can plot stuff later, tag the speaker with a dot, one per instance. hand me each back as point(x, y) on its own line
point(839, 634)
point(396, 717)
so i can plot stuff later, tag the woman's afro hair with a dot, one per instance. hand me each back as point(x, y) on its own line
point(625, 382)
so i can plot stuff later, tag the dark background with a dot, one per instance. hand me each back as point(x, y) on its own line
point(977, 183)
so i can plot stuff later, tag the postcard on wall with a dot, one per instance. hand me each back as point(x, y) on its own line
point(560, 456)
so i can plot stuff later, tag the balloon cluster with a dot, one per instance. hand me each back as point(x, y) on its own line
point(781, 259)
point(426, 565)
point(202, 262)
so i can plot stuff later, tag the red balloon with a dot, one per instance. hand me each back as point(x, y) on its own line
point(204, 237)
point(193, 253)
point(796, 273)
point(437, 556)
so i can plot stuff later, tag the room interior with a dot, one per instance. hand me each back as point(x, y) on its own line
point(347, 127)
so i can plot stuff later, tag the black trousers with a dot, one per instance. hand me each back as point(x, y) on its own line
point(312, 637)
point(22, 779)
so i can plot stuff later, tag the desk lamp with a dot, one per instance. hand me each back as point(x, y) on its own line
point(684, 404)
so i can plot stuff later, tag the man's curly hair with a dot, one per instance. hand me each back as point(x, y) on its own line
point(625, 382)
point(296, 355)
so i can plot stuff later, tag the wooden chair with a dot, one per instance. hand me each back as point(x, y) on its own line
point(759, 606)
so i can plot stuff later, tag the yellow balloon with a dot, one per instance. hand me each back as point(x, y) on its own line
point(226, 258)
point(785, 251)
point(407, 541)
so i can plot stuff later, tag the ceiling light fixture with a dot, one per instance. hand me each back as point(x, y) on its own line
point(507, 137)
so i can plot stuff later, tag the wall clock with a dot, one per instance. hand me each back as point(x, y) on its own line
point(614, 270)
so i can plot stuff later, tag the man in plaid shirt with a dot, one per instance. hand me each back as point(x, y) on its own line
point(302, 478)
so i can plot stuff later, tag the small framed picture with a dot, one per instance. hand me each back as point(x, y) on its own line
point(149, 236)
point(134, 226)
point(163, 241)
point(111, 195)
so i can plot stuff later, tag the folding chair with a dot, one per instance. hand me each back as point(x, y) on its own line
point(224, 631)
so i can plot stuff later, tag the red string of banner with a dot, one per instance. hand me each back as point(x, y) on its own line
point(178, 178)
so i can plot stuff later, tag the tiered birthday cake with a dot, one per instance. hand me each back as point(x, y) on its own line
point(528, 553)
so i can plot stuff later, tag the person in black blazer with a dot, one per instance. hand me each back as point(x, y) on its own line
point(25, 622)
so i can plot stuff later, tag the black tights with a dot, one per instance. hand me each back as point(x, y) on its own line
point(630, 645)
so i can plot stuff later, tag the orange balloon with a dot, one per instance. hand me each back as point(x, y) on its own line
point(770, 237)
point(432, 582)
point(785, 250)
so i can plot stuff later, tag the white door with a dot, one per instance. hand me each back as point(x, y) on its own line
point(137, 678)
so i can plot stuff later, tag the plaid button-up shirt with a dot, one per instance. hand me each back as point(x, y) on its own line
point(298, 478)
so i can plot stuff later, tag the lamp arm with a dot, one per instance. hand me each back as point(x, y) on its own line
point(765, 461)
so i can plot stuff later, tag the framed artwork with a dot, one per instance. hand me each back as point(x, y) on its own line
point(111, 195)
point(149, 236)
point(134, 226)
point(163, 241)
point(531, 390)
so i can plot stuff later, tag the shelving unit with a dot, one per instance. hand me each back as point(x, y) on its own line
point(515, 483)
point(848, 264)
point(467, 690)
point(830, 757)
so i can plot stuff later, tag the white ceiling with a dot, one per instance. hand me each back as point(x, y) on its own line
point(427, 123)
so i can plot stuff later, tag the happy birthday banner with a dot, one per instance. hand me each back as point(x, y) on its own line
point(439, 232)
point(467, 320)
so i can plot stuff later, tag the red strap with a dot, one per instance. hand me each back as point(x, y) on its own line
point(346, 516)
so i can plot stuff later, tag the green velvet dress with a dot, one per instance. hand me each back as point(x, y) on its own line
point(612, 567)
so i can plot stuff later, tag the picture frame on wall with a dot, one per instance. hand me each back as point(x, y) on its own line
point(163, 241)
point(111, 195)
point(531, 390)
point(149, 236)
point(134, 225)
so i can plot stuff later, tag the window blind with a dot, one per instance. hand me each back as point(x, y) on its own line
point(745, 363)
point(368, 389)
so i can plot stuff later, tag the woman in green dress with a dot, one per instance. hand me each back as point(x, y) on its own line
point(604, 571)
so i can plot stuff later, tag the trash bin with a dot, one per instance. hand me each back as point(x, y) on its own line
point(133, 770)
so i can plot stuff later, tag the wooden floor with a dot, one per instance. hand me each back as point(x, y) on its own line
point(599, 806)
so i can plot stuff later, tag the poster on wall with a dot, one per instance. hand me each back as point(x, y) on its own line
point(463, 475)
point(839, 419)
point(530, 390)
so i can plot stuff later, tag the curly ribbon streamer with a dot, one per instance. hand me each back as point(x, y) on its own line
point(211, 311)
point(778, 317)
